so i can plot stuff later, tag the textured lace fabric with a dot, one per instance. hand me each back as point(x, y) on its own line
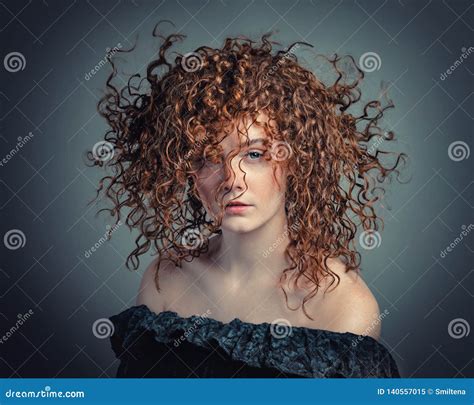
point(168, 345)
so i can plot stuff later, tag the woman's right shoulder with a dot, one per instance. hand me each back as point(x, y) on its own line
point(171, 280)
point(148, 293)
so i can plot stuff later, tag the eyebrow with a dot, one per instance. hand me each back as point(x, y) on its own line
point(257, 140)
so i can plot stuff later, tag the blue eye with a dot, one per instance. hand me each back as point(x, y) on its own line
point(254, 155)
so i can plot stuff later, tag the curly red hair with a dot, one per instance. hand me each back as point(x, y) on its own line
point(158, 134)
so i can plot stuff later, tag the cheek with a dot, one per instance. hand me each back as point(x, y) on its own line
point(203, 189)
point(271, 182)
point(206, 184)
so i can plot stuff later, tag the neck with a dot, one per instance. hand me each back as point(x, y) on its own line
point(258, 255)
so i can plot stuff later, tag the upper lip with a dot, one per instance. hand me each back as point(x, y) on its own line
point(236, 203)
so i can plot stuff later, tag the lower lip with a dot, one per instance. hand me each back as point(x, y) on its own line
point(237, 209)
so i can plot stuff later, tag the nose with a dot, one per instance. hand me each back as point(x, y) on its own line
point(235, 176)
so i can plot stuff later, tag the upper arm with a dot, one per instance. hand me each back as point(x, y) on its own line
point(148, 293)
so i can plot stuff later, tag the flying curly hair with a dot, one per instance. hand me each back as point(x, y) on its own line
point(160, 135)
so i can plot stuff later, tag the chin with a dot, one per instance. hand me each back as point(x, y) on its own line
point(232, 226)
point(240, 224)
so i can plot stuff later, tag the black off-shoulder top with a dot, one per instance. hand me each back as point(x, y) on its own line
point(169, 345)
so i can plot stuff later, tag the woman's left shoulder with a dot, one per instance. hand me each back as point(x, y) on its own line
point(356, 309)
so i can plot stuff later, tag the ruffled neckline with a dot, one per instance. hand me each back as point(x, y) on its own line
point(300, 350)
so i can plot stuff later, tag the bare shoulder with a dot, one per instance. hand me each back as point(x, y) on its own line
point(354, 307)
point(148, 293)
point(175, 285)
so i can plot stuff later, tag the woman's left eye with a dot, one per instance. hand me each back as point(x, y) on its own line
point(254, 155)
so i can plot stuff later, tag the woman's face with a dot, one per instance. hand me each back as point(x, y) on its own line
point(263, 191)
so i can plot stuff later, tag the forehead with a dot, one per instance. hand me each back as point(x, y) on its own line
point(244, 131)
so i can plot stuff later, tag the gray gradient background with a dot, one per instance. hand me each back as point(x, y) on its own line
point(44, 189)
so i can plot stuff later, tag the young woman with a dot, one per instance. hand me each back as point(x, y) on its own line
point(246, 174)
